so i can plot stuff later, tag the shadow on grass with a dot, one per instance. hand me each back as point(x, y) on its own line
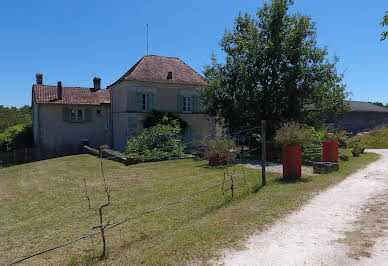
point(281, 180)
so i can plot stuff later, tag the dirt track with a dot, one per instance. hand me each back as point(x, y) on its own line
point(344, 225)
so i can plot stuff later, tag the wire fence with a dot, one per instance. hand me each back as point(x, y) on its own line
point(229, 179)
point(34, 154)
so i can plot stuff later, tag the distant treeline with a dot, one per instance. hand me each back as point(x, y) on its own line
point(381, 104)
point(12, 116)
point(15, 128)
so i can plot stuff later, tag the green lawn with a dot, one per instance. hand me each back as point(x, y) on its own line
point(43, 204)
point(377, 139)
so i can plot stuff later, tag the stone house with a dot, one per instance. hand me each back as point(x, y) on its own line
point(64, 116)
point(162, 83)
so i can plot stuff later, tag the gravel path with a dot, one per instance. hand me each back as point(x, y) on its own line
point(274, 167)
point(344, 225)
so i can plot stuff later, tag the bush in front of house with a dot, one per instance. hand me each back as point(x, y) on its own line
point(164, 118)
point(16, 137)
point(156, 143)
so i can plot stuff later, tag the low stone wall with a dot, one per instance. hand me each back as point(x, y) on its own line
point(120, 157)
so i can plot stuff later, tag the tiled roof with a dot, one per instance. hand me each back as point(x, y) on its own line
point(154, 68)
point(357, 106)
point(70, 95)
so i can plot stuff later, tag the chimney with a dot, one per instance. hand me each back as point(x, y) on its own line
point(169, 75)
point(39, 78)
point(59, 90)
point(97, 83)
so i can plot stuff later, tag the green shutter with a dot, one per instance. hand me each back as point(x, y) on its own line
point(65, 114)
point(179, 104)
point(88, 115)
point(138, 101)
point(195, 104)
point(150, 102)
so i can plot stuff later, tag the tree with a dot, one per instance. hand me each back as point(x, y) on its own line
point(384, 23)
point(11, 116)
point(273, 71)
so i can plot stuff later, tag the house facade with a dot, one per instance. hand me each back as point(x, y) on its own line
point(158, 83)
point(67, 115)
point(64, 116)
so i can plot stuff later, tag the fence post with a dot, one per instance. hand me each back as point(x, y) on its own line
point(263, 152)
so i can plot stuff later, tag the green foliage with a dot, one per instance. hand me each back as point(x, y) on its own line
point(273, 70)
point(164, 118)
point(384, 23)
point(295, 134)
point(11, 116)
point(220, 146)
point(159, 142)
point(312, 153)
point(16, 137)
point(380, 104)
point(339, 136)
point(358, 148)
point(377, 139)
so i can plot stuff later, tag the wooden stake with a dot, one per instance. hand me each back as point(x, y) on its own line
point(263, 152)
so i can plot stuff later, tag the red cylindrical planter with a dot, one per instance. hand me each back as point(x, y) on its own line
point(292, 162)
point(330, 151)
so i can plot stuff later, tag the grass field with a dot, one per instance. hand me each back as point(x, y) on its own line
point(43, 204)
point(377, 139)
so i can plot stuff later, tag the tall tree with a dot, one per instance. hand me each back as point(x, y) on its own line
point(384, 23)
point(273, 70)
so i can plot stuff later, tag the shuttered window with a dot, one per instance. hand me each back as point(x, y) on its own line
point(76, 115)
point(187, 104)
point(144, 102)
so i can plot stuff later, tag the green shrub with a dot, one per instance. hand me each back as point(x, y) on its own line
point(220, 146)
point(159, 142)
point(339, 136)
point(295, 134)
point(16, 137)
point(357, 149)
point(312, 153)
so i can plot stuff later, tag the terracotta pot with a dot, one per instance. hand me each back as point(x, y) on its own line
point(292, 162)
point(330, 151)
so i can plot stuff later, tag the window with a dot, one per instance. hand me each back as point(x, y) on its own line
point(144, 102)
point(187, 104)
point(77, 115)
point(100, 112)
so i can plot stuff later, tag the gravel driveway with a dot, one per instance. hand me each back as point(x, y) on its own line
point(344, 225)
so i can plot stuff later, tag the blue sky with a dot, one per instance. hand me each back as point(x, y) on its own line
point(74, 41)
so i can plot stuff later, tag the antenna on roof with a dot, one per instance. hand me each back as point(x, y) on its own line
point(147, 38)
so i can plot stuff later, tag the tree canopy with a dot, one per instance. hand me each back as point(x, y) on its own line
point(384, 23)
point(273, 70)
point(11, 116)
